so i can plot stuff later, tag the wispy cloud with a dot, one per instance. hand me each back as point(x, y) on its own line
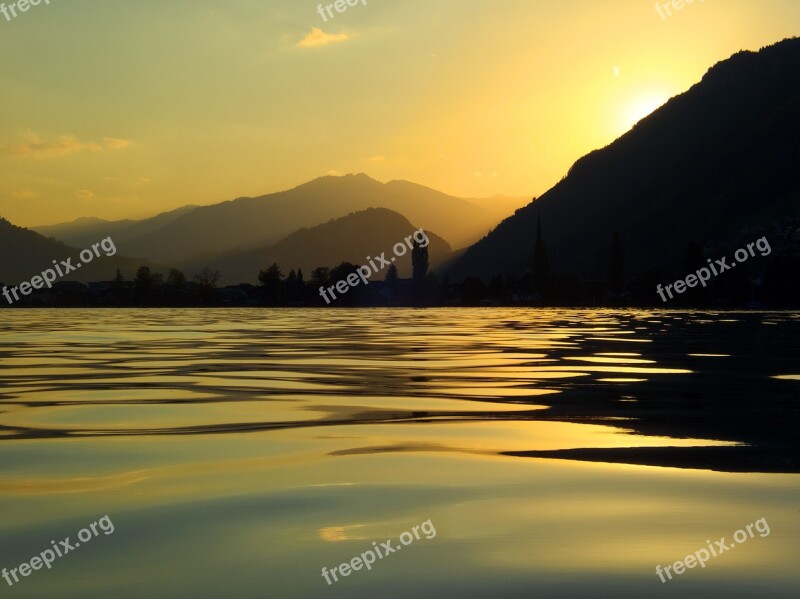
point(317, 37)
point(34, 146)
point(112, 143)
point(22, 194)
point(85, 194)
point(335, 534)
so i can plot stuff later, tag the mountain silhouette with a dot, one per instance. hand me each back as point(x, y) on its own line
point(351, 238)
point(208, 232)
point(27, 253)
point(717, 165)
point(88, 230)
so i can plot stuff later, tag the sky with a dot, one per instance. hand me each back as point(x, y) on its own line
point(120, 109)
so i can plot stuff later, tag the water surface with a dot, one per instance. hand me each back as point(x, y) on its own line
point(558, 453)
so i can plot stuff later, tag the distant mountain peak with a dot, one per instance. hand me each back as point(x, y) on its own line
point(346, 177)
point(349, 238)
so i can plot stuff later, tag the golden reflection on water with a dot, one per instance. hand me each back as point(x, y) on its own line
point(181, 372)
point(274, 435)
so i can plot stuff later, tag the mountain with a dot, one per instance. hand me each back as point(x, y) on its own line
point(246, 223)
point(501, 206)
point(27, 253)
point(88, 230)
point(82, 230)
point(717, 165)
point(351, 238)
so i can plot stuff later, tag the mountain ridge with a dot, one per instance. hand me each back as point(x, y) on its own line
point(206, 232)
point(30, 253)
point(686, 173)
point(351, 238)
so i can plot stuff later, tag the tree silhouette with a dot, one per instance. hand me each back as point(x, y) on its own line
point(176, 284)
point(320, 277)
point(391, 280)
point(419, 262)
point(540, 273)
point(341, 273)
point(176, 278)
point(293, 287)
point(118, 288)
point(391, 277)
point(420, 265)
point(270, 280)
point(145, 286)
point(472, 291)
point(206, 281)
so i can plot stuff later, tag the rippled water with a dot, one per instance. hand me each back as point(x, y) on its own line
point(557, 452)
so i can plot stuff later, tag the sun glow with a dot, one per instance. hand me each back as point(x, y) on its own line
point(640, 107)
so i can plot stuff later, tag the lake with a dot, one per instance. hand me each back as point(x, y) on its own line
point(555, 453)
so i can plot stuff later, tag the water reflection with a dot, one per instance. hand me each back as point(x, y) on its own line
point(86, 374)
point(239, 451)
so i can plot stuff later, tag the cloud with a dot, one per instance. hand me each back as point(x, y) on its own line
point(334, 173)
point(85, 194)
point(113, 143)
point(335, 534)
point(377, 159)
point(22, 194)
point(33, 146)
point(317, 37)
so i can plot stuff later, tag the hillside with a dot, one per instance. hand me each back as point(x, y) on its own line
point(246, 223)
point(87, 230)
point(716, 165)
point(27, 253)
point(348, 239)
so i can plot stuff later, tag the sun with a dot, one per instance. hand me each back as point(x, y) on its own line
point(641, 107)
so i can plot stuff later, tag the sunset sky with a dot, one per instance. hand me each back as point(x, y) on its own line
point(123, 109)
